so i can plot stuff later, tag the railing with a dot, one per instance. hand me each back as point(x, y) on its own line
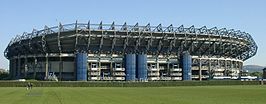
point(119, 74)
point(94, 69)
point(94, 78)
point(119, 69)
point(176, 78)
point(119, 78)
point(94, 73)
point(107, 78)
point(153, 69)
point(165, 78)
point(176, 74)
point(153, 74)
point(176, 69)
point(154, 78)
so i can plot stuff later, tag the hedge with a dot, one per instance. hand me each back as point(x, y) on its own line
point(127, 84)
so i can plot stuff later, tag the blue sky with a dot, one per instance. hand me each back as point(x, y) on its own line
point(18, 16)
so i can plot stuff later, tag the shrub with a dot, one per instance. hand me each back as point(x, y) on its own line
point(126, 84)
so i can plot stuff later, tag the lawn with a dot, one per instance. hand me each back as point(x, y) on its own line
point(135, 95)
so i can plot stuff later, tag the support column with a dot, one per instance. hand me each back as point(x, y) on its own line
point(200, 73)
point(11, 68)
point(241, 67)
point(14, 64)
point(46, 66)
point(111, 68)
point(99, 68)
point(18, 68)
point(25, 67)
point(157, 64)
point(60, 68)
point(210, 69)
point(130, 60)
point(225, 65)
point(186, 65)
point(142, 67)
point(81, 66)
point(34, 68)
point(168, 68)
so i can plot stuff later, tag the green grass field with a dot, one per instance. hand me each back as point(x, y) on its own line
point(135, 95)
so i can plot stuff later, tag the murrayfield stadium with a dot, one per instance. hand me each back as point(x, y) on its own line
point(110, 52)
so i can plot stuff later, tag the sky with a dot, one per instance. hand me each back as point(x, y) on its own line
point(18, 16)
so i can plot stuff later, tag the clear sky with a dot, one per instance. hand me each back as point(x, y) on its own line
point(18, 16)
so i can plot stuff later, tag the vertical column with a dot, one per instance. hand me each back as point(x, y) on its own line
point(14, 64)
point(157, 64)
point(99, 67)
point(241, 67)
point(111, 68)
point(11, 69)
point(240, 72)
point(225, 65)
point(18, 68)
point(264, 73)
point(46, 66)
point(200, 73)
point(34, 68)
point(130, 60)
point(25, 67)
point(168, 68)
point(60, 67)
point(186, 65)
point(210, 69)
point(142, 67)
point(81, 66)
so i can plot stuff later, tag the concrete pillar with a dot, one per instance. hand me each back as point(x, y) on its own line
point(46, 66)
point(200, 73)
point(225, 64)
point(111, 67)
point(11, 69)
point(18, 68)
point(81, 66)
point(142, 67)
point(34, 68)
point(168, 68)
point(130, 60)
point(25, 67)
point(14, 64)
point(60, 68)
point(210, 69)
point(186, 65)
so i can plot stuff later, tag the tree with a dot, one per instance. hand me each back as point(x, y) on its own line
point(3, 74)
point(258, 74)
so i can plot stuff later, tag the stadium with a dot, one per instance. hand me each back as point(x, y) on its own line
point(110, 52)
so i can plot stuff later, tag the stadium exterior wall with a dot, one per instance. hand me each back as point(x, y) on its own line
point(128, 52)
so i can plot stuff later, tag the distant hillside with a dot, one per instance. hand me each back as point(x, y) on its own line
point(253, 68)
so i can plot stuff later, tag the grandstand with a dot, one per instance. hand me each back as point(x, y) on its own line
point(110, 52)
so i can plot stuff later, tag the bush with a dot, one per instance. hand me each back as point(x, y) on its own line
point(126, 84)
